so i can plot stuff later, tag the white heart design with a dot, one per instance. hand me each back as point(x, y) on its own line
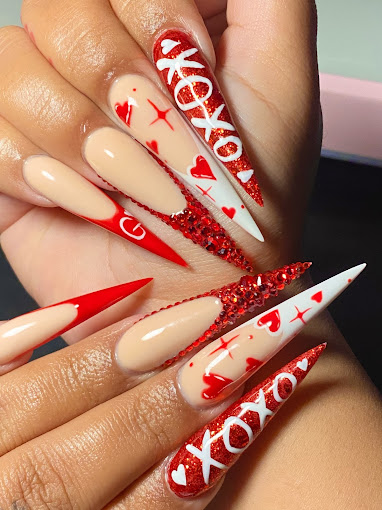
point(303, 364)
point(245, 175)
point(168, 45)
point(179, 475)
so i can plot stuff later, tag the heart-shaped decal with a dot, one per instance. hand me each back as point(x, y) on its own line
point(303, 365)
point(124, 112)
point(245, 175)
point(179, 476)
point(317, 297)
point(252, 364)
point(168, 45)
point(216, 383)
point(271, 321)
point(230, 212)
point(153, 145)
point(201, 169)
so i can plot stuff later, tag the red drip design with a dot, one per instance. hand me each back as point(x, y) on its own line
point(205, 457)
point(241, 298)
point(196, 223)
point(208, 105)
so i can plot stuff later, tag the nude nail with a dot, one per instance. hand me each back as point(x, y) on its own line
point(31, 330)
point(68, 189)
point(223, 365)
point(147, 114)
point(165, 335)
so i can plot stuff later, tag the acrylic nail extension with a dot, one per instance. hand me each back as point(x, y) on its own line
point(69, 190)
point(205, 458)
point(190, 80)
point(127, 166)
point(150, 118)
point(163, 336)
point(24, 333)
point(223, 365)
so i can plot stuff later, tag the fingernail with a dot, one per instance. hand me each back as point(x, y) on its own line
point(191, 82)
point(31, 330)
point(147, 114)
point(69, 190)
point(223, 365)
point(205, 458)
point(164, 336)
point(127, 166)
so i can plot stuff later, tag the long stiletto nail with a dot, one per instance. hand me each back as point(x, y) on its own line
point(202, 461)
point(190, 80)
point(223, 365)
point(163, 336)
point(150, 118)
point(130, 169)
point(68, 189)
point(24, 333)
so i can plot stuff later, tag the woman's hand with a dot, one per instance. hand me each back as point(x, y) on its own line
point(266, 65)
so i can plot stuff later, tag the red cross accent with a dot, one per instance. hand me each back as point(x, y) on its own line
point(205, 192)
point(300, 315)
point(224, 346)
point(162, 114)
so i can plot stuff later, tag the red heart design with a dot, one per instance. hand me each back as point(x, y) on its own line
point(202, 169)
point(253, 364)
point(124, 112)
point(216, 383)
point(271, 321)
point(317, 297)
point(230, 212)
point(153, 145)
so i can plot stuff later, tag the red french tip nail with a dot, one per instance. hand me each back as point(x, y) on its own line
point(205, 458)
point(91, 304)
point(126, 226)
point(191, 82)
point(196, 223)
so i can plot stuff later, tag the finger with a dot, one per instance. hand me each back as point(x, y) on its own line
point(153, 487)
point(135, 101)
point(14, 148)
point(23, 334)
point(184, 67)
point(11, 210)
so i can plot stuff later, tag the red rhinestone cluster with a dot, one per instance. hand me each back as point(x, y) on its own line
point(196, 223)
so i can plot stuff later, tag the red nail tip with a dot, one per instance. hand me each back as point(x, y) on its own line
point(202, 461)
point(196, 223)
point(125, 225)
point(241, 298)
point(197, 94)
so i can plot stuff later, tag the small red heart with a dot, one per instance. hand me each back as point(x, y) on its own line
point(124, 112)
point(253, 364)
point(153, 145)
point(317, 297)
point(202, 169)
point(271, 321)
point(230, 212)
point(216, 383)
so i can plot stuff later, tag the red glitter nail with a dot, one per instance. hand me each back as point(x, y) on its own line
point(190, 80)
point(196, 223)
point(242, 298)
point(202, 461)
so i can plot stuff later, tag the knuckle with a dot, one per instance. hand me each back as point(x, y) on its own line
point(10, 36)
point(33, 483)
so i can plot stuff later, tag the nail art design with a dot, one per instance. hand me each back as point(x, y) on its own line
point(116, 158)
point(190, 80)
point(209, 453)
point(69, 190)
point(225, 364)
point(167, 334)
point(29, 331)
point(150, 118)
